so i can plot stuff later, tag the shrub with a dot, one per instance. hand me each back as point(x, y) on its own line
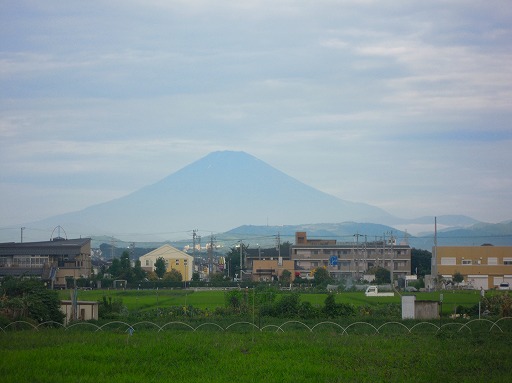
point(333, 310)
point(500, 304)
point(287, 306)
point(30, 298)
point(111, 309)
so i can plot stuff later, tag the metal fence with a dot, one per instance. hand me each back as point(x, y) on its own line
point(502, 325)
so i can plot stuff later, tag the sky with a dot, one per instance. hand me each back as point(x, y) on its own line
point(405, 105)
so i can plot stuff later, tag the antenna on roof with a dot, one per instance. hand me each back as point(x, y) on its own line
point(58, 237)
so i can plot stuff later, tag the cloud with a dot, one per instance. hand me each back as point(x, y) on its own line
point(371, 101)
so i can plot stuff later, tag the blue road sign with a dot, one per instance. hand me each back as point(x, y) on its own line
point(333, 261)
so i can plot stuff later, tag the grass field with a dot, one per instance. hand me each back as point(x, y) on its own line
point(141, 300)
point(297, 356)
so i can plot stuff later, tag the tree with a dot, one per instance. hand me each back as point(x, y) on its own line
point(30, 298)
point(160, 267)
point(173, 276)
point(421, 262)
point(126, 271)
point(233, 259)
point(321, 276)
point(286, 277)
point(285, 247)
point(457, 277)
point(138, 273)
point(217, 277)
point(330, 308)
point(382, 275)
point(115, 268)
point(125, 261)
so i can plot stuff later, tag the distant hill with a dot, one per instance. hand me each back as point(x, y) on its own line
point(497, 234)
point(475, 235)
point(342, 232)
point(218, 192)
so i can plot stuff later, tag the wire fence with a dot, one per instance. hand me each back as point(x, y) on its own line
point(502, 325)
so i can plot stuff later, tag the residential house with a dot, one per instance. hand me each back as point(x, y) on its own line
point(174, 260)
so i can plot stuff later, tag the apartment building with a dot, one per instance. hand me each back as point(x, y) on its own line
point(349, 259)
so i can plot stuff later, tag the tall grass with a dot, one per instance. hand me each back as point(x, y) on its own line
point(143, 300)
point(178, 356)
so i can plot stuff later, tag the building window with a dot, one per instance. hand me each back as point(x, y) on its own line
point(507, 261)
point(185, 262)
point(147, 262)
point(177, 262)
point(448, 261)
point(492, 261)
point(467, 262)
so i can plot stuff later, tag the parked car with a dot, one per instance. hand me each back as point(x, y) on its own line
point(504, 286)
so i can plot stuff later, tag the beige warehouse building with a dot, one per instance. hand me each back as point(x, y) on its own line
point(481, 266)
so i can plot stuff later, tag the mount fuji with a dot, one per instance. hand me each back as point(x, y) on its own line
point(216, 193)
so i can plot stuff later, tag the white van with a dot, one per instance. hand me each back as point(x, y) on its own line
point(504, 286)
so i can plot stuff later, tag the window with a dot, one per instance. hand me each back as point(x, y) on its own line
point(507, 261)
point(185, 262)
point(492, 261)
point(147, 262)
point(177, 262)
point(448, 261)
point(467, 262)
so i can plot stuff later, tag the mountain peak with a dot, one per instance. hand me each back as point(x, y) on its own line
point(222, 190)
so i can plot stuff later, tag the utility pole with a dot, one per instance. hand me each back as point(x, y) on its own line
point(23, 228)
point(241, 256)
point(210, 257)
point(194, 233)
point(132, 249)
point(278, 248)
point(433, 265)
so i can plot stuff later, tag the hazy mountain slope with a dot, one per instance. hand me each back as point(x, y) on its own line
point(496, 234)
point(218, 192)
point(342, 232)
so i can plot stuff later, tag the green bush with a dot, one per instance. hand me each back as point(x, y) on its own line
point(30, 298)
point(109, 308)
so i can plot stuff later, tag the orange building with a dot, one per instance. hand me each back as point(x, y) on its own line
point(481, 266)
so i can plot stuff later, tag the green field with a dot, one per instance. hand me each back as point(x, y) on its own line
point(140, 300)
point(251, 356)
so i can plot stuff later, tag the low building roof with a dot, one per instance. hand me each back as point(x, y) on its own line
point(166, 252)
point(58, 247)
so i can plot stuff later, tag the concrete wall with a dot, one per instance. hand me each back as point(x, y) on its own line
point(426, 310)
point(413, 309)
